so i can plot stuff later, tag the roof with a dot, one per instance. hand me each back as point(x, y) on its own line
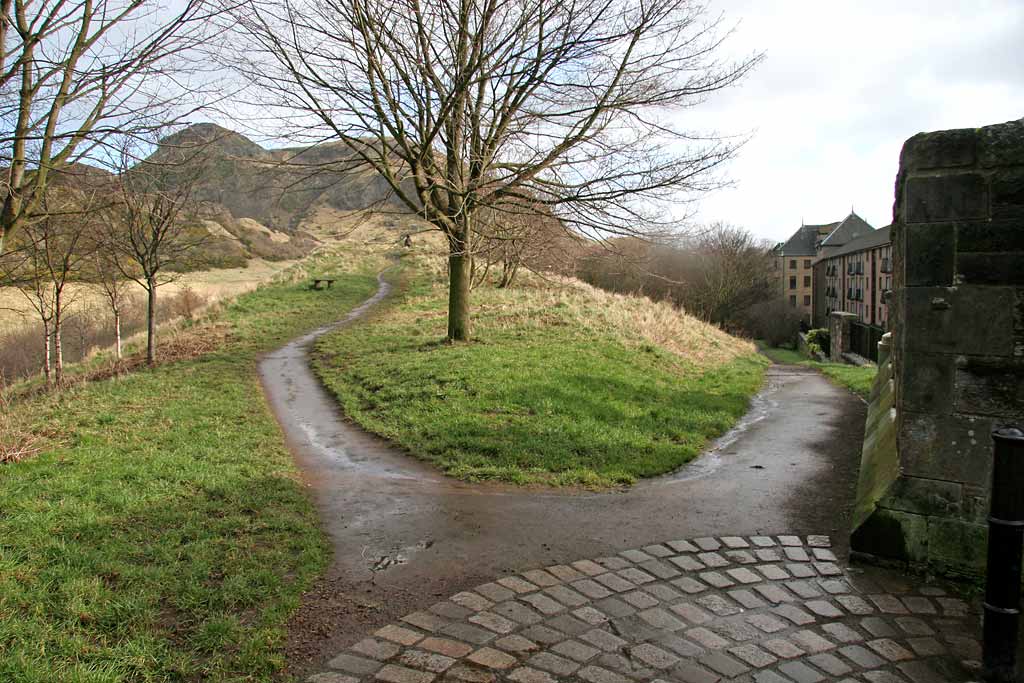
point(875, 238)
point(804, 241)
point(850, 228)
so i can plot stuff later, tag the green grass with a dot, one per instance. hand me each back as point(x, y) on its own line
point(782, 355)
point(857, 379)
point(533, 398)
point(167, 537)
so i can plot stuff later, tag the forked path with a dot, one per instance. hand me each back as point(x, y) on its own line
point(405, 537)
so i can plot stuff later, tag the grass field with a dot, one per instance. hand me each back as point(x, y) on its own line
point(857, 379)
point(562, 383)
point(163, 534)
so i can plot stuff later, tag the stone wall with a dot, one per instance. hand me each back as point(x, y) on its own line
point(957, 318)
point(839, 334)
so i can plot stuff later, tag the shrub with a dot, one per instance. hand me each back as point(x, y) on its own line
point(774, 321)
point(820, 338)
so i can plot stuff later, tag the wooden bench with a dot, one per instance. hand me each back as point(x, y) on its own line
point(318, 280)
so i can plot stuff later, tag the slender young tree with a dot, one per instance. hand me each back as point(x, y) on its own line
point(74, 72)
point(462, 105)
point(152, 231)
point(52, 250)
point(106, 278)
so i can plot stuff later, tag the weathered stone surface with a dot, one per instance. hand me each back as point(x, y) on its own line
point(930, 258)
point(928, 383)
point(894, 535)
point(957, 546)
point(988, 387)
point(926, 496)
point(985, 268)
point(839, 334)
point(995, 236)
point(942, 149)
point(1001, 145)
point(933, 199)
point(944, 447)
point(972, 320)
point(1008, 195)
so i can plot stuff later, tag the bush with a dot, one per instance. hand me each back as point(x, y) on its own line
point(775, 321)
point(820, 338)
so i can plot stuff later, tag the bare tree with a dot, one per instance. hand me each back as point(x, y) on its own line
point(729, 271)
point(524, 236)
point(106, 278)
point(74, 72)
point(152, 232)
point(22, 269)
point(717, 274)
point(53, 249)
point(465, 105)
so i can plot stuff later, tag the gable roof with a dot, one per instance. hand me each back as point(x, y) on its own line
point(850, 228)
point(804, 241)
point(875, 238)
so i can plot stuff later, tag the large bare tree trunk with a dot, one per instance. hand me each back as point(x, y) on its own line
point(151, 322)
point(460, 279)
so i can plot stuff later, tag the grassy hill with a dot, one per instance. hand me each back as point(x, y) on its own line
point(562, 384)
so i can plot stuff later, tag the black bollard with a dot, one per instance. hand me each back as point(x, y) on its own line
point(1005, 536)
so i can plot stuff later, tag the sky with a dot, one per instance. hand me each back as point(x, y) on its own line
point(844, 83)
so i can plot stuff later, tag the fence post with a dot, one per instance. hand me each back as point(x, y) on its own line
point(1005, 536)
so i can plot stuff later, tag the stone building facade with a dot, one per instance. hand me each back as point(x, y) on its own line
point(957, 364)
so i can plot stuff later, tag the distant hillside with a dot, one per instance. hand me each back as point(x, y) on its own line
point(278, 188)
point(274, 204)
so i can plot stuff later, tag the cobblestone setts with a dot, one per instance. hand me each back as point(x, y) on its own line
point(751, 610)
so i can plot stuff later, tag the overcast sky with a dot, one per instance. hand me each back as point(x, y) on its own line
point(842, 86)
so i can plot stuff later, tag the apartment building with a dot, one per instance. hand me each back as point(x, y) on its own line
point(794, 260)
point(855, 278)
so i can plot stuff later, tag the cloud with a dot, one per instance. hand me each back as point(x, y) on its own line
point(843, 85)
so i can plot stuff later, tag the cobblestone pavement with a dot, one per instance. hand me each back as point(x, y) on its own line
point(764, 609)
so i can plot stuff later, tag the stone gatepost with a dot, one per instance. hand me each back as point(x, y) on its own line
point(839, 334)
point(957, 318)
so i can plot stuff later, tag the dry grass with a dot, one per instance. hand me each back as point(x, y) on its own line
point(17, 440)
point(211, 285)
point(636, 319)
point(542, 301)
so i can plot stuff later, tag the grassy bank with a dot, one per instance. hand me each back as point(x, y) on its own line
point(163, 534)
point(562, 384)
point(857, 379)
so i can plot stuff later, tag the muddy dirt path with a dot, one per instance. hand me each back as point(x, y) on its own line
point(403, 534)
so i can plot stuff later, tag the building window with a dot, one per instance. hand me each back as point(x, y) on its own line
point(792, 301)
point(807, 299)
point(807, 263)
point(792, 281)
point(807, 280)
point(792, 264)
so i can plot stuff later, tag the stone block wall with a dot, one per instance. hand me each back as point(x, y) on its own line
point(839, 334)
point(957, 318)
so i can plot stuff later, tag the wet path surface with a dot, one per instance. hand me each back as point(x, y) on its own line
point(405, 536)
